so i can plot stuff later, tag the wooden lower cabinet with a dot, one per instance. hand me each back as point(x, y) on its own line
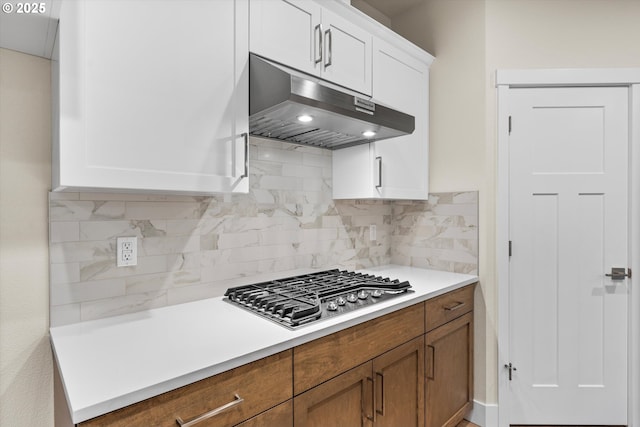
point(449, 371)
point(386, 391)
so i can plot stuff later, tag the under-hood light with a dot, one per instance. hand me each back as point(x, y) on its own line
point(305, 118)
point(368, 133)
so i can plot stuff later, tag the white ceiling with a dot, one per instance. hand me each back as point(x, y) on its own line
point(32, 33)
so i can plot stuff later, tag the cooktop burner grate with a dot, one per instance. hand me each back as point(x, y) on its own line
point(299, 300)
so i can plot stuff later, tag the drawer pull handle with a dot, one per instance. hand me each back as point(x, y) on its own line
point(238, 400)
point(455, 306)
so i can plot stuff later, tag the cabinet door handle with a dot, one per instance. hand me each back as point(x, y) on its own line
point(379, 160)
point(245, 135)
point(369, 414)
point(380, 395)
point(317, 43)
point(431, 362)
point(455, 306)
point(238, 400)
point(329, 36)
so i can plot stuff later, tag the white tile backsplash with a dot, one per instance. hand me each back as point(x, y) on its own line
point(192, 248)
point(441, 233)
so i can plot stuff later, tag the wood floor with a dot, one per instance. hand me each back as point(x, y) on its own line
point(466, 423)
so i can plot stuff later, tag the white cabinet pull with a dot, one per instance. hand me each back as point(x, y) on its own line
point(328, 35)
point(238, 400)
point(317, 43)
point(245, 135)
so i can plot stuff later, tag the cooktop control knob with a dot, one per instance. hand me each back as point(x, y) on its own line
point(332, 306)
point(341, 301)
point(377, 293)
point(363, 294)
point(352, 298)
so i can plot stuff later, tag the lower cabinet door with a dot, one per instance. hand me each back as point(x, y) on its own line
point(399, 386)
point(344, 401)
point(449, 372)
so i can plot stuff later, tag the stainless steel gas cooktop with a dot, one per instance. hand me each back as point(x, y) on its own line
point(300, 300)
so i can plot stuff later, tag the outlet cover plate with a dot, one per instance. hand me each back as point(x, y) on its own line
point(126, 251)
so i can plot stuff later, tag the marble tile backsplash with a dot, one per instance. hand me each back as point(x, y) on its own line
point(441, 233)
point(192, 248)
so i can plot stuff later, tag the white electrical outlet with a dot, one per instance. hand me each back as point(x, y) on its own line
point(126, 251)
point(372, 232)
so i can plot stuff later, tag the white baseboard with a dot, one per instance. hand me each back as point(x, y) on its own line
point(484, 414)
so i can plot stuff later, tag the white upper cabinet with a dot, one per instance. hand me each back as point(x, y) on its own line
point(396, 168)
point(151, 96)
point(403, 82)
point(303, 35)
point(347, 53)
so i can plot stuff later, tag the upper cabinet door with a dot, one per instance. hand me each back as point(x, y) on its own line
point(153, 96)
point(302, 35)
point(396, 168)
point(347, 53)
point(288, 32)
point(402, 81)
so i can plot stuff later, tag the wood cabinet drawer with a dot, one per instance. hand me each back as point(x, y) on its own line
point(327, 357)
point(449, 306)
point(262, 384)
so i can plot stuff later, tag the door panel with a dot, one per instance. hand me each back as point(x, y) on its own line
point(568, 225)
point(344, 401)
point(152, 124)
point(347, 53)
point(287, 32)
point(403, 82)
point(399, 386)
point(449, 372)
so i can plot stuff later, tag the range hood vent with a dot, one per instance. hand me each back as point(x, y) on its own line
point(280, 98)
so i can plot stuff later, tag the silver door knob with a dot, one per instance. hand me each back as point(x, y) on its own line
point(618, 273)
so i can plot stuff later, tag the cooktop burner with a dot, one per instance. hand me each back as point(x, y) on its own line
point(300, 300)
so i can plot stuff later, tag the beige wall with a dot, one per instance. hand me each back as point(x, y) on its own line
point(26, 375)
point(454, 32)
point(470, 40)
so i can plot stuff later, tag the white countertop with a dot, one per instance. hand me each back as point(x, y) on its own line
point(110, 363)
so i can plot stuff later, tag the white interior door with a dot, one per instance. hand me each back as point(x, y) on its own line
point(568, 216)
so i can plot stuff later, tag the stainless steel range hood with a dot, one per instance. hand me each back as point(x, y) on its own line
point(280, 98)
